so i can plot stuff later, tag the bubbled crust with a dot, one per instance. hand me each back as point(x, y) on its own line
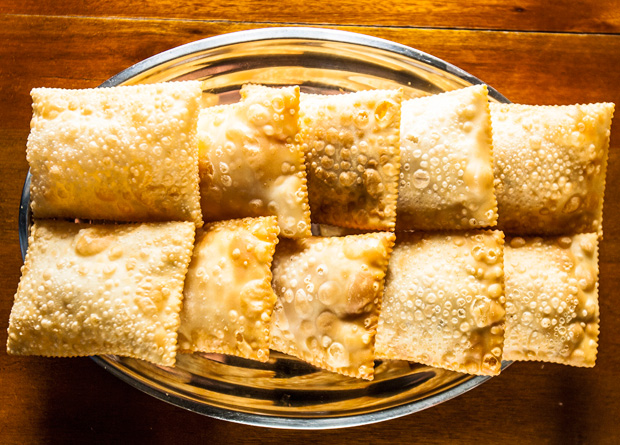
point(228, 299)
point(329, 294)
point(249, 164)
point(549, 166)
point(126, 153)
point(552, 311)
point(101, 289)
point(443, 304)
point(351, 142)
point(446, 176)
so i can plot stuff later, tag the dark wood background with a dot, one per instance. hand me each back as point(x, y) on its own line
point(532, 51)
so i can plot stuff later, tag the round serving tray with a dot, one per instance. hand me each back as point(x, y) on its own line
point(286, 392)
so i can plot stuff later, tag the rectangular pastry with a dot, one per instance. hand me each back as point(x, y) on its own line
point(125, 153)
point(228, 299)
point(329, 294)
point(351, 142)
point(549, 166)
point(552, 311)
point(443, 304)
point(249, 163)
point(101, 289)
point(446, 174)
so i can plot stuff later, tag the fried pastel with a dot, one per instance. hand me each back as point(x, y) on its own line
point(125, 153)
point(446, 176)
point(549, 165)
point(249, 163)
point(444, 302)
point(552, 311)
point(228, 299)
point(351, 142)
point(329, 294)
point(101, 289)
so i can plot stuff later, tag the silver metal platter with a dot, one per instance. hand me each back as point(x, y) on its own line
point(285, 392)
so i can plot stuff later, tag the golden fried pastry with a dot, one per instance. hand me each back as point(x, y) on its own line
point(125, 153)
point(351, 142)
point(550, 164)
point(228, 299)
point(329, 293)
point(443, 303)
point(446, 175)
point(552, 311)
point(249, 163)
point(101, 289)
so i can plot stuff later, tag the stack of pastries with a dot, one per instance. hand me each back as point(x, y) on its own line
point(454, 232)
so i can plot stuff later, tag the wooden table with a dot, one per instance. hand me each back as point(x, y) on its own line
point(533, 52)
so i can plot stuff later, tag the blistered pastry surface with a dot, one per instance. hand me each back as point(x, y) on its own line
point(126, 153)
point(552, 311)
point(446, 175)
point(443, 304)
point(329, 294)
point(249, 163)
point(549, 165)
point(228, 299)
point(351, 142)
point(101, 289)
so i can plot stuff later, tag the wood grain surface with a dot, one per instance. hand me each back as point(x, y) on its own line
point(524, 15)
point(534, 52)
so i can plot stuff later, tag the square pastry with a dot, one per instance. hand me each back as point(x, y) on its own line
point(125, 153)
point(549, 166)
point(446, 173)
point(351, 142)
point(101, 289)
point(249, 163)
point(552, 311)
point(228, 299)
point(443, 304)
point(329, 293)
